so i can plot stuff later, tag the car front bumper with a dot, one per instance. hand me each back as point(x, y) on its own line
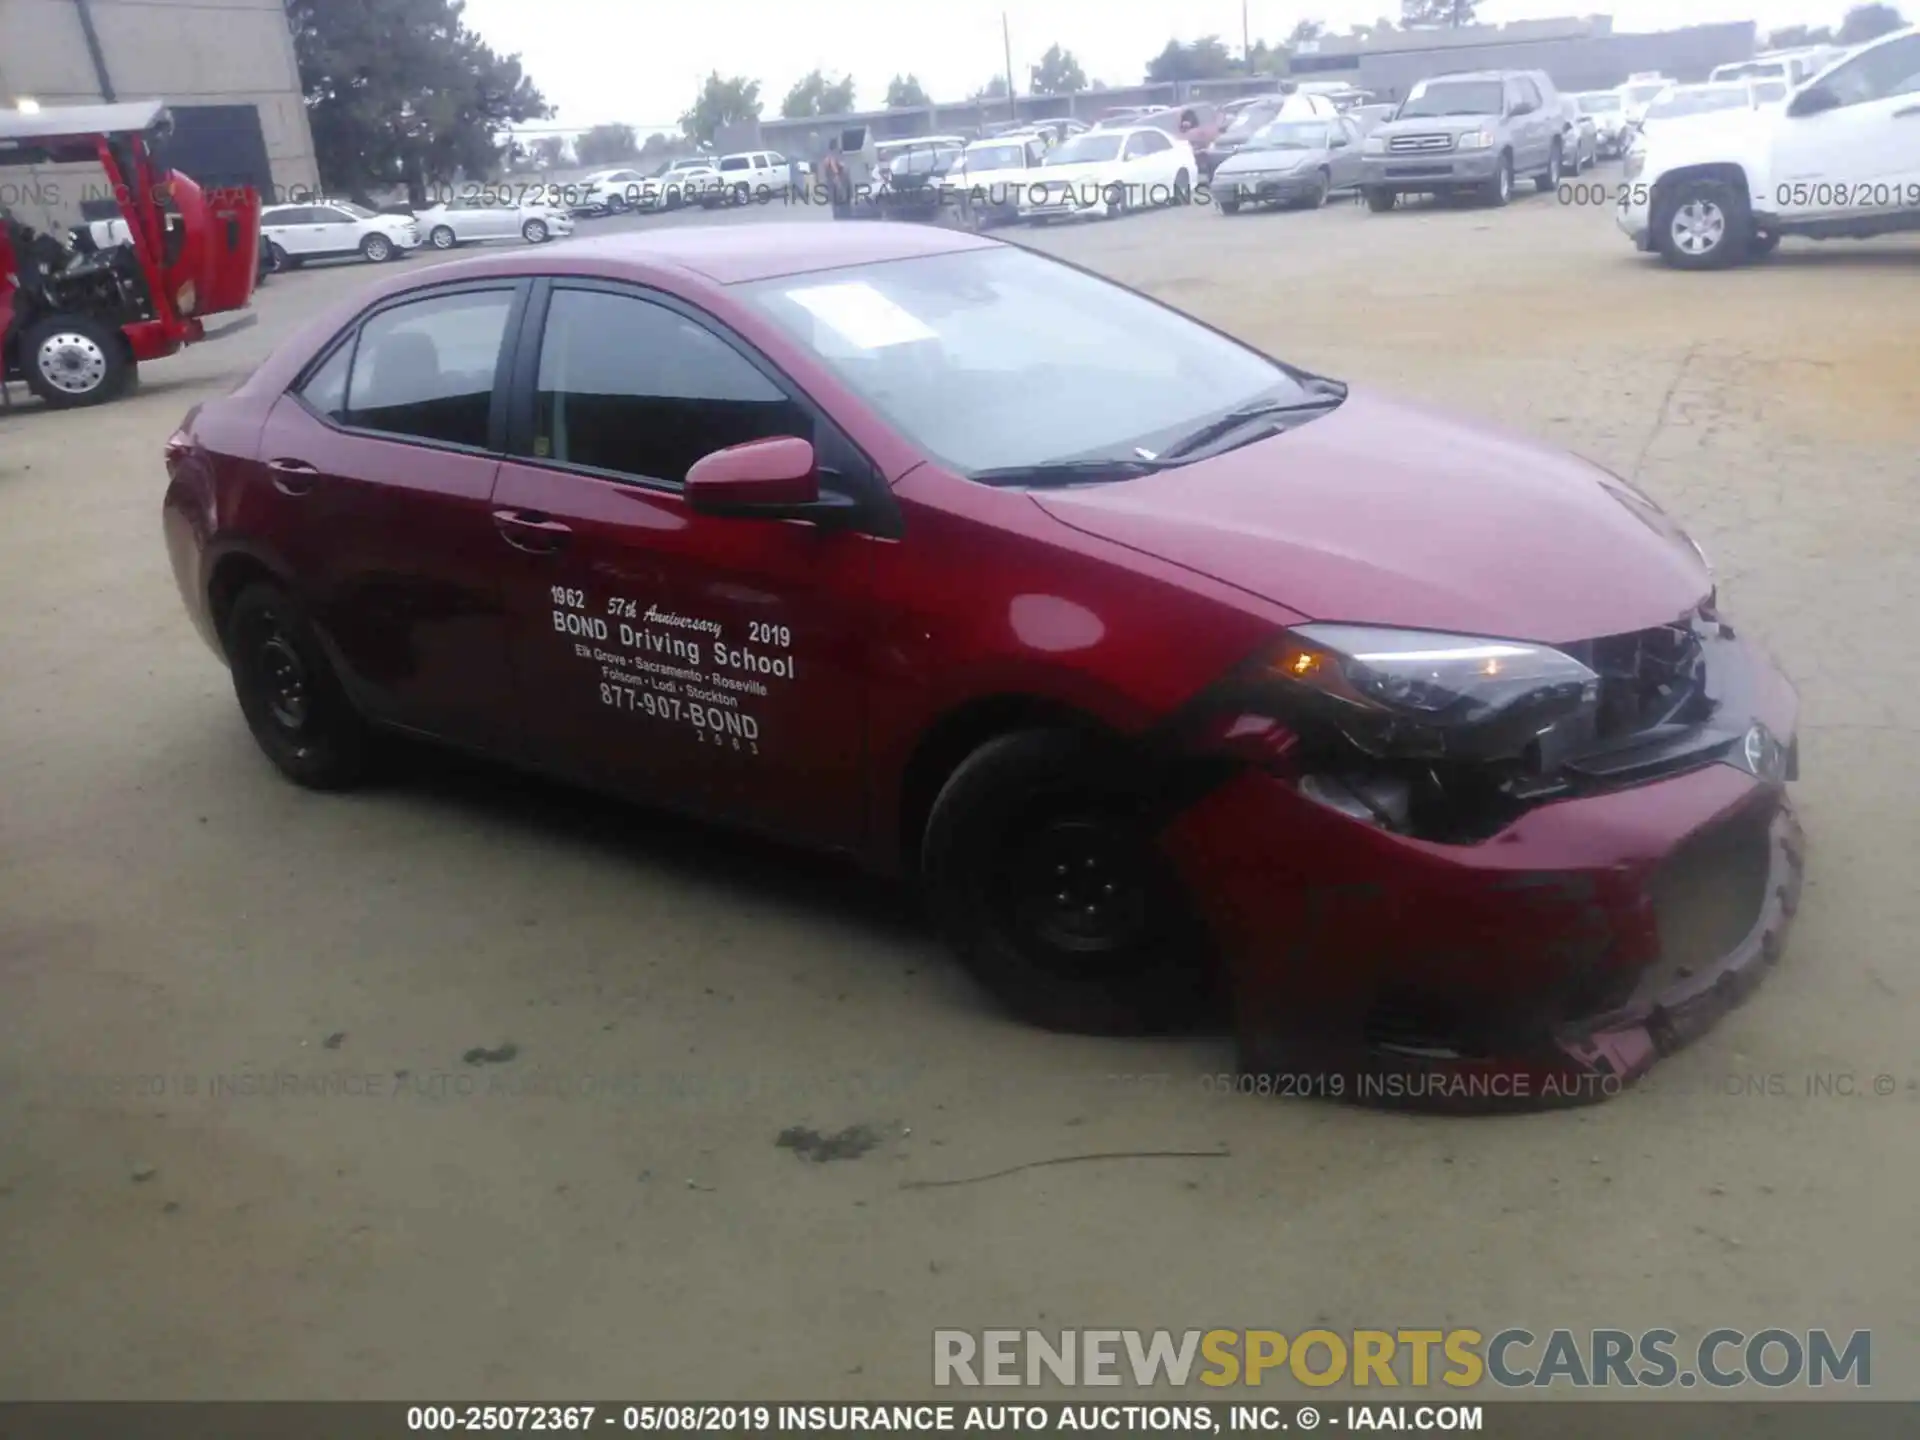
point(1633, 214)
point(1268, 186)
point(1415, 173)
point(1552, 963)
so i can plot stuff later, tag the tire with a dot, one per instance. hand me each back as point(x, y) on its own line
point(1702, 224)
point(1183, 189)
point(1229, 204)
point(1499, 190)
point(72, 361)
point(378, 248)
point(618, 205)
point(740, 196)
point(1031, 806)
point(279, 261)
point(1381, 201)
point(1318, 199)
point(443, 238)
point(300, 717)
point(1116, 199)
point(534, 232)
point(1546, 184)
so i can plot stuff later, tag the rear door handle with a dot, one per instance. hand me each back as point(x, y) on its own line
point(531, 531)
point(293, 477)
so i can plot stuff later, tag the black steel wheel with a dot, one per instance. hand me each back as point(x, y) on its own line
point(1040, 861)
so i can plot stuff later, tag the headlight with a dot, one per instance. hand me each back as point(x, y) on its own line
point(1374, 145)
point(1474, 140)
point(1412, 694)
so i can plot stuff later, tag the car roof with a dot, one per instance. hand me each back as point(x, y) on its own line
point(725, 254)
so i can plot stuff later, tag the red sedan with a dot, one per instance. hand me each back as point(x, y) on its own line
point(1175, 674)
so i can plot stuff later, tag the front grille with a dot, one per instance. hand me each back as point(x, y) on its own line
point(1419, 144)
point(1707, 897)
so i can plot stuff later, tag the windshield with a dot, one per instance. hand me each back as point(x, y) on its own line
point(999, 357)
point(1700, 102)
point(1292, 135)
point(1083, 148)
point(1479, 97)
point(1600, 104)
point(359, 212)
point(1252, 118)
point(1641, 94)
point(921, 160)
point(997, 157)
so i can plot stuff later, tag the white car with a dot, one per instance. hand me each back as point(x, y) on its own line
point(1840, 159)
point(327, 229)
point(1688, 104)
point(605, 192)
point(749, 175)
point(1108, 172)
point(466, 219)
point(1608, 111)
point(1641, 91)
point(678, 182)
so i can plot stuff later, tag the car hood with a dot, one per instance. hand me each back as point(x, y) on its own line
point(1249, 161)
point(1434, 125)
point(1384, 513)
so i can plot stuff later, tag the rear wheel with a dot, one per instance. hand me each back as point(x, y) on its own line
point(1039, 861)
point(443, 237)
point(377, 248)
point(292, 701)
point(1550, 181)
point(534, 232)
point(279, 261)
point(75, 360)
point(1229, 204)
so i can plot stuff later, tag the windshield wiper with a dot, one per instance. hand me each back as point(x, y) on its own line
point(1324, 399)
point(1068, 472)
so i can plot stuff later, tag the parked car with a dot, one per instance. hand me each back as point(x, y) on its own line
point(1255, 115)
point(1608, 111)
point(464, 220)
point(1198, 124)
point(778, 534)
point(328, 229)
point(605, 192)
point(1109, 172)
point(1640, 91)
point(1580, 141)
point(991, 173)
point(750, 175)
point(1468, 134)
point(685, 181)
point(1841, 159)
point(1291, 162)
point(1686, 102)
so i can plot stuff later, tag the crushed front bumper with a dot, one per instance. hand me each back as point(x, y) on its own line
point(1550, 964)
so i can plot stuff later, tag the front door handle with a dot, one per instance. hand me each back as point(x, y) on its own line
point(531, 531)
point(292, 477)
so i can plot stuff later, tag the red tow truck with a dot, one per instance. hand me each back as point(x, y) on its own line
point(77, 320)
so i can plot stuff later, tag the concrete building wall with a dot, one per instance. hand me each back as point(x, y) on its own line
point(185, 52)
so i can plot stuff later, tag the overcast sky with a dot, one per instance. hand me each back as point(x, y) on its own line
point(642, 64)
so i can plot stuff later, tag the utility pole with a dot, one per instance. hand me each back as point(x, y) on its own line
point(1246, 41)
point(1006, 40)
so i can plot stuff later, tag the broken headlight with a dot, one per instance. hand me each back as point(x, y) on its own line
point(1416, 695)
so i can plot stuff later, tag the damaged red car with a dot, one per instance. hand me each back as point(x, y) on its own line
point(1187, 683)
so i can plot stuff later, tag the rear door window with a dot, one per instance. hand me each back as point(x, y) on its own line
point(425, 369)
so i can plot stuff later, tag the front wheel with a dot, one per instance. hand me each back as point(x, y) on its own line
point(1116, 199)
point(534, 232)
point(377, 248)
point(279, 261)
point(1322, 187)
point(293, 703)
point(1703, 225)
point(1380, 201)
point(1229, 204)
point(1500, 189)
point(75, 360)
point(1183, 189)
point(1040, 862)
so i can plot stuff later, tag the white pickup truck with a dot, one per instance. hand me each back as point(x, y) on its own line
point(1841, 159)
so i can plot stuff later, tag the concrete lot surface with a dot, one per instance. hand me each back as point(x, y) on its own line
point(608, 1212)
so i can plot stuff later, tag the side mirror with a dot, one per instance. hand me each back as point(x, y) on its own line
point(1814, 101)
point(776, 479)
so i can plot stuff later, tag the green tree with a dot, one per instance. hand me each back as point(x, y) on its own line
point(1204, 59)
point(550, 152)
point(814, 94)
point(1306, 30)
point(402, 92)
point(1869, 22)
point(1793, 37)
point(1058, 73)
point(903, 92)
point(607, 145)
point(994, 89)
point(721, 102)
point(1453, 13)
